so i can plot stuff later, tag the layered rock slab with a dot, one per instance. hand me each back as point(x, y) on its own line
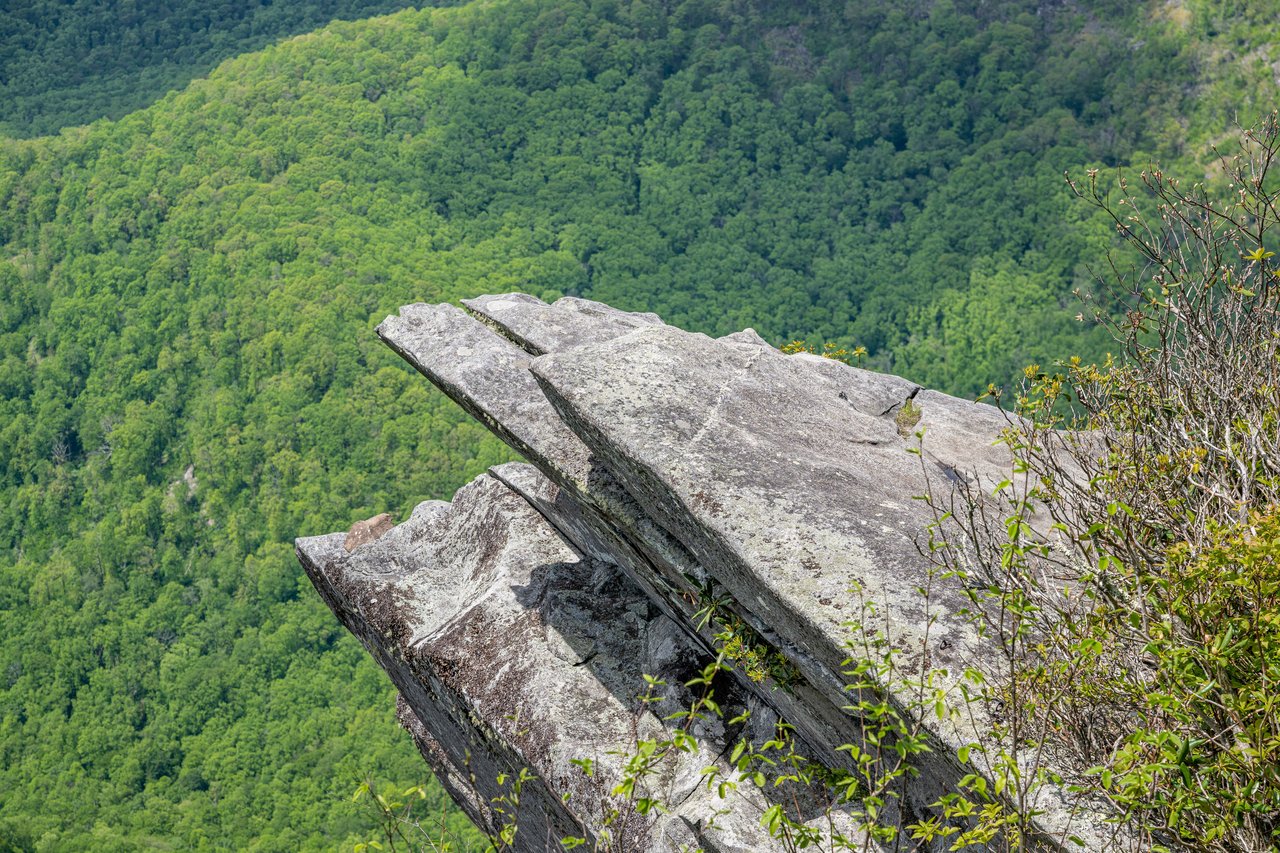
point(692, 463)
point(514, 654)
point(804, 503)
point(488, 375)
point(960, 442)
point(611, 516)
point(788, 494)
point(568, 322)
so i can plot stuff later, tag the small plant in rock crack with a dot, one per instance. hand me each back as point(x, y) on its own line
point(738, 642)
point(797, 783)
point(858, 804)
point(894, 704)
point(997, 803)
point(804, 796)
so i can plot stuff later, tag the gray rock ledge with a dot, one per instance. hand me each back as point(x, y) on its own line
point(514, 653)
point(668, 470)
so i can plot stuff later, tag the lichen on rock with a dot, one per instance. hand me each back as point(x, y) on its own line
point(684, 495)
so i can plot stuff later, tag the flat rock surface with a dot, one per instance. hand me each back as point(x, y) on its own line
point(785, 477)
point(489, 377)
point(568, 322)
point(962, 436)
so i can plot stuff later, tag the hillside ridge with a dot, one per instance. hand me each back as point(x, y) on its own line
point(194, 288)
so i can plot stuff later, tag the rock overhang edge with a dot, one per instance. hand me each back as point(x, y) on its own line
point(666, 450)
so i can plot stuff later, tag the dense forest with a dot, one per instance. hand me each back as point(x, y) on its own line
point(188, 373)
point(67, 62)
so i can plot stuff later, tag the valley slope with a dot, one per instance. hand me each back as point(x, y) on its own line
point(189, 376)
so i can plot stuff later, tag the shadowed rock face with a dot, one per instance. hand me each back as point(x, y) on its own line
point(670, 470)
point(512, 652)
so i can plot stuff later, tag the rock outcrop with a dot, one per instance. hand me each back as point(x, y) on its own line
point(685, 498)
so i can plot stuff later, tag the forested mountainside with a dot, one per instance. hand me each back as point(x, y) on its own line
point(69, 62)
point(189, 377)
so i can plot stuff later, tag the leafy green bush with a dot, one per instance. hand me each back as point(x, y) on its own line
point(1133, 567)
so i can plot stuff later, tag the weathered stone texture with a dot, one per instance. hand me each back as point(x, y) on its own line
point(540, 328)
point(669, 470)
point(513, 652)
